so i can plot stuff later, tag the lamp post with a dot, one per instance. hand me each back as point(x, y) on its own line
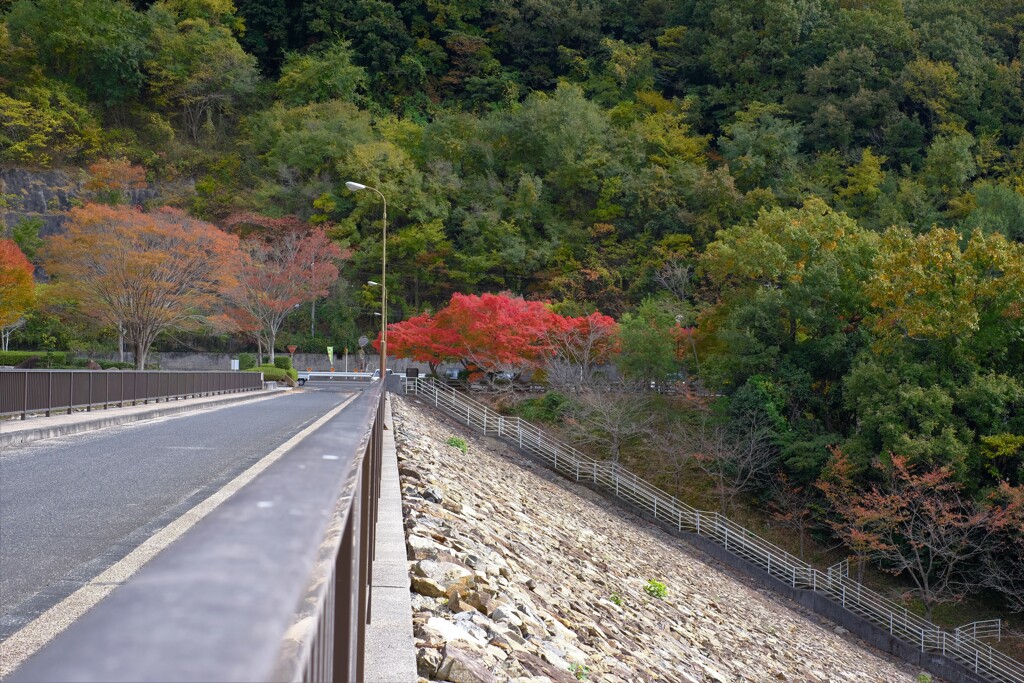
point(383, 322)
point(355, 187)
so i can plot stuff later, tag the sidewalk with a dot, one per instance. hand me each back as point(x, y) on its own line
point(14, 432)
point(390, 652)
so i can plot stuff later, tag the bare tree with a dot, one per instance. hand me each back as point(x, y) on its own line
point(1003, 557)
point(736, 456)
point(609, 419)
point(791, 507)
point(674, 276)
point(6, 330)
point(578, 350)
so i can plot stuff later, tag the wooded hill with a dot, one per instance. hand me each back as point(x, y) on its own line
point(831, 191)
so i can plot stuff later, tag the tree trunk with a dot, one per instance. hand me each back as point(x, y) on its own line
point(140, 354)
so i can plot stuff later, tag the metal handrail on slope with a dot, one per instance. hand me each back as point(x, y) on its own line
point(961, 646)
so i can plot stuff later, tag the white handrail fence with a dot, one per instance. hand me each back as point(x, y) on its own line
point(962, 645)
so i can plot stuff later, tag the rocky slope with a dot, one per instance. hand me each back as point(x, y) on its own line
point(520, 576)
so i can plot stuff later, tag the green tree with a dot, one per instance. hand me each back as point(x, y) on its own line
point(328, 74)
point(761, 147)
point(648, 345)
point(99, 45)
point(198, 69)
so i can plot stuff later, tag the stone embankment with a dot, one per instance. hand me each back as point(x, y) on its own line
point(519, 576)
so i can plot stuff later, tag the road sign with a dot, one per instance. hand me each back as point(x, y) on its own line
point(363, 341)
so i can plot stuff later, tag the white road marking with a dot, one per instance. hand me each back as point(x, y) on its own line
point(53, 621)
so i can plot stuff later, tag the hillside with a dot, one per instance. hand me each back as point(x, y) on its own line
point(539, 561)
point(810, 210)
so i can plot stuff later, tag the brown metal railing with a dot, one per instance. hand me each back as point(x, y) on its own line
point(26, 392)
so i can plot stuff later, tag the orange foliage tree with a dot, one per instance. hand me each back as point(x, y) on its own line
point(111, 179)
point(276, 276)
point(142, 273)
point(16, 287)
point(917, 524)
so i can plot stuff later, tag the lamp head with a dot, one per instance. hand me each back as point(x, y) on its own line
point(354, 187)
point(371, 282)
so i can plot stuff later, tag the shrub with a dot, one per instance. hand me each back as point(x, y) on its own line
point(656, 589)
point(47, 359)
point(580, 671)
point(275, 374)
point(458, 442)
point(246, 361)
point(548, 408)
point(120, 365)
point(283, 362)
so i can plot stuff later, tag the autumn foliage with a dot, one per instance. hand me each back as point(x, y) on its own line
point(275, 276)
point(16, 287)
point(142, 273)
point(499, 333)
point(111, 179)
point(916, 523)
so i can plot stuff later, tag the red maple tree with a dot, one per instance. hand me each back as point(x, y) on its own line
point(500, 334)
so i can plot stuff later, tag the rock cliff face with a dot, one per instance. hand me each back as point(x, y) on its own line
point(46, 195)
point(519, 576)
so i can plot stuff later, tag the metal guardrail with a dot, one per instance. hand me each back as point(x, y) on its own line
point(835, 584)
point(273, 585)
point(23, 392)
point(990, 628)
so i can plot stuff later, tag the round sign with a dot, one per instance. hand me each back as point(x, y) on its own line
point(363, 341)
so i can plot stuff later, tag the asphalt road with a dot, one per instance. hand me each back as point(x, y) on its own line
point(72, 506)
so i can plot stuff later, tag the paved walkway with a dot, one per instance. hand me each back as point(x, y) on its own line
point(15, 431)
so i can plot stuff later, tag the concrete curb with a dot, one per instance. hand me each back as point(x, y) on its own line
point(390, 652)
point(65, 425)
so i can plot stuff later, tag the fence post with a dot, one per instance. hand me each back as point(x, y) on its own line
point(49, 392)
point(24, 399)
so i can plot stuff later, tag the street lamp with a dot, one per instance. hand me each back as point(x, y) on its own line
point(383, 321)
point(355, 187)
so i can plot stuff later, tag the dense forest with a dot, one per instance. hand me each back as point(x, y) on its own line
point(827, 196)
